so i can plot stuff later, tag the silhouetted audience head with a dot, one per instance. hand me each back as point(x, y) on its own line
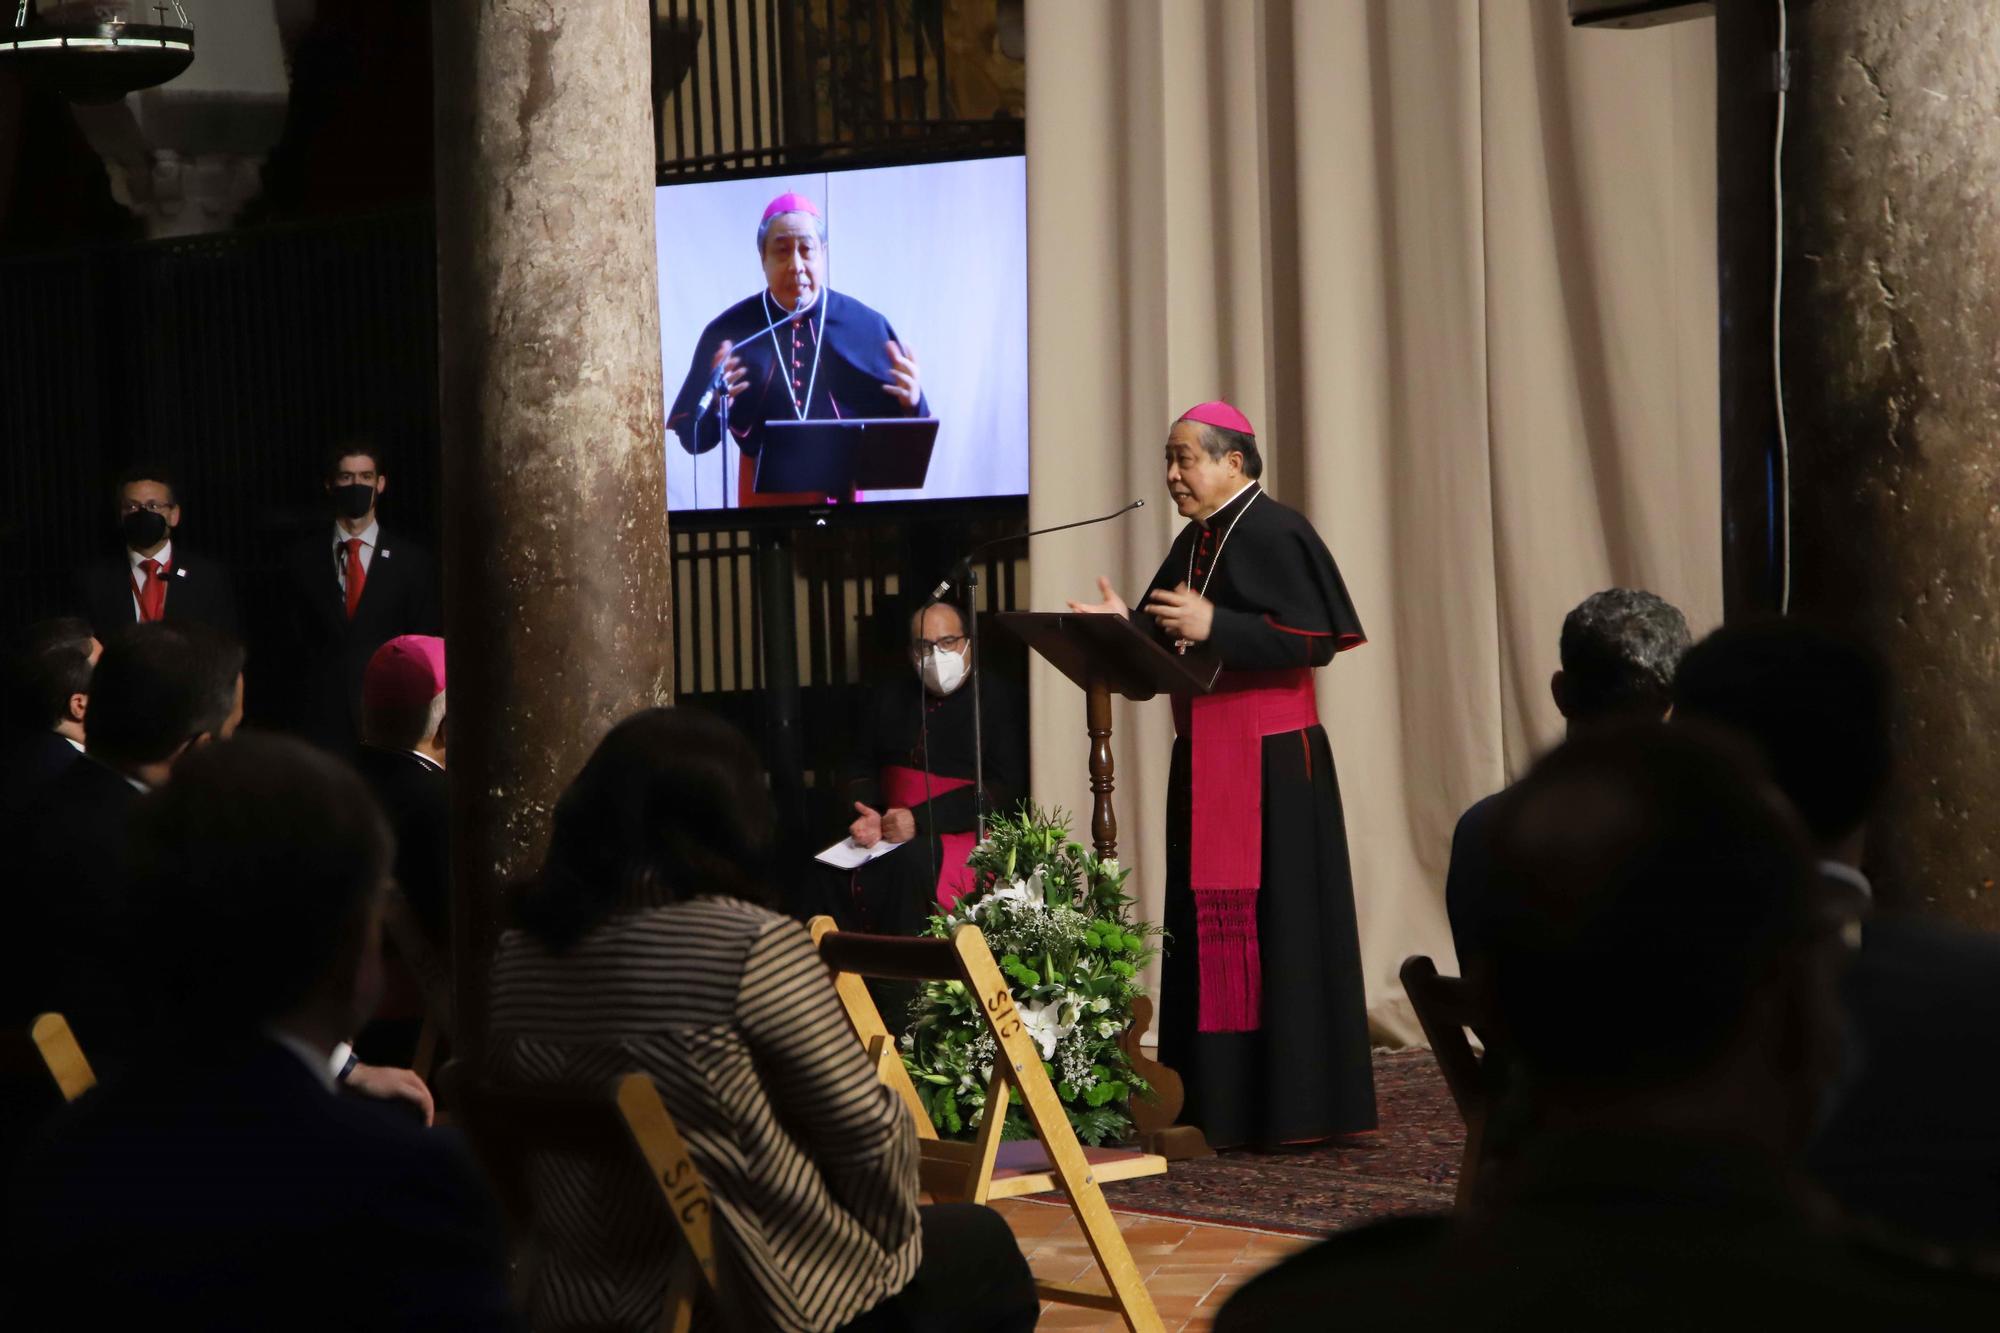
point(672, 805)
point(1813, 701)
point(259, 872)
point(1619, 651)
point(403, 695)
point(51, 675)
point(1655, 921)
point(161, 686)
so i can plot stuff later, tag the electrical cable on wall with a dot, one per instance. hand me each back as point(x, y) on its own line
point(1782, 69)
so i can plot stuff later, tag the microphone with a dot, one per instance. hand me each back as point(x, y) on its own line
point(716, 380)
point(966, 560)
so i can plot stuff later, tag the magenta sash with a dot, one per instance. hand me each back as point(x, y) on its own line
point(904, 788)
point(1226, 731)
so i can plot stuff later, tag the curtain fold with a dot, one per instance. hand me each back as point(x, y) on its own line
point(1456, 262)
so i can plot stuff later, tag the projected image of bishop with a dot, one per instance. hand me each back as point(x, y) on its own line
point(832, 359)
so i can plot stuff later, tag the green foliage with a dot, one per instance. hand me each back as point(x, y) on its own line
point(1059, 923)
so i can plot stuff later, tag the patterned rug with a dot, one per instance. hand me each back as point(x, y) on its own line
point(1409, 1165)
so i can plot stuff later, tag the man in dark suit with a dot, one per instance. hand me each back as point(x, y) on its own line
point(157, 577)
point(1911, 1140)
point(349, 589)
point(222, 1184)
point(51, 680)
point(1660, 970)
point(1618, 652)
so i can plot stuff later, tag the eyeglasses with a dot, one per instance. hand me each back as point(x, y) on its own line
point(950, 643)
point(150, 506)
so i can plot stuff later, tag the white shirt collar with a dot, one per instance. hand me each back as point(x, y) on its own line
point(1842, 873)
point(367, 534)
point(426, 761)
point(1230, 501)
point(78, 745)
point(324, 1067)
point(165, 555)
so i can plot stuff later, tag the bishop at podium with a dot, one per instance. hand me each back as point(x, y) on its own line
point(835, 359)
point(1262, 1010)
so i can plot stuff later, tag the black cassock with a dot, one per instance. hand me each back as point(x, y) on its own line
point(896, 895)
point(1305, 1073)
point(848, 339)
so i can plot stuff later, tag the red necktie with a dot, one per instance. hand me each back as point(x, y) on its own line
point(153, 596)
point(357, 575)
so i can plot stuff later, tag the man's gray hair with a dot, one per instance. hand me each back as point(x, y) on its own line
point(764, 227)
point(1218, 442)
point(1620, 649)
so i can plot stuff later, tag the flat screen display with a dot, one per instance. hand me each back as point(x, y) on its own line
point(876, 344)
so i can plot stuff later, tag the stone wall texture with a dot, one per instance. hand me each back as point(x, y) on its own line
point(1892, 368)
point(557, 561)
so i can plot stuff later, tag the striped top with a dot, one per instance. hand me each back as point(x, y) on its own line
point(811, 1161)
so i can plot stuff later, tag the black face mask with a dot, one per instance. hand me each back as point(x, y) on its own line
point(143, 528)
point(353, 501)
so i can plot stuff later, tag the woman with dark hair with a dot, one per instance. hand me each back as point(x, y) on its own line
point(645, 944)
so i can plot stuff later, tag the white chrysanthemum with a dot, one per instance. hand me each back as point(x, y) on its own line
point(1100, 1005)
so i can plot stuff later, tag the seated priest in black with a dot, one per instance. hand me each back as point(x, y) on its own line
point(834, 359)
point(402, 759)
point(910, 780)
point(350, 587)
point(1261, 1007)
point(155, 576)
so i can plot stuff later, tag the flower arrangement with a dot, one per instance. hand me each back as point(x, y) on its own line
point(1058, 922)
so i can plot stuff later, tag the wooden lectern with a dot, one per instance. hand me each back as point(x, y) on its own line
point(1105, 655)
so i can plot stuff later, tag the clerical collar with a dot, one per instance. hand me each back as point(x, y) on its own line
point(1222, 513)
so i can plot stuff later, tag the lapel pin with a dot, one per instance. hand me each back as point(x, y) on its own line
point(180, 573)
point(383, 553)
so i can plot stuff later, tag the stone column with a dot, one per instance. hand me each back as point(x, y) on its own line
point(1891, 325)
point(556, 554)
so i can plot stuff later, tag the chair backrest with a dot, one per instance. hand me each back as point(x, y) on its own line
point(624, 1119)
point(426, 959)
point(1445, 1009)
point(965, 1170)
point(47, 1049)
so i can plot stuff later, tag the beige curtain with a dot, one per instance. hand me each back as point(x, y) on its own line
point(1456, 261)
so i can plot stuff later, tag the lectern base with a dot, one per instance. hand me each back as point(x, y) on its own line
point(1177, 1143)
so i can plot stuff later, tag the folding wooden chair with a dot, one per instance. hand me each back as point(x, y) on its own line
point(981, 1171)
point(47, 1049)
point(505, 1124)
point(1446, 1011)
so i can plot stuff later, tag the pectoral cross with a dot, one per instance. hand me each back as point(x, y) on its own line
point(1182, 645)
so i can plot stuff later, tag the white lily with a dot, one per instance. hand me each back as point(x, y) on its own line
point(1027, 892)
point(1045, 1024)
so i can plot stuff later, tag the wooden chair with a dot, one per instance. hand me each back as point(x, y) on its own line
point(427, 961)
point(984, 1170)
point(1445, 1009)
point(506, 1124)
point(48, 1049)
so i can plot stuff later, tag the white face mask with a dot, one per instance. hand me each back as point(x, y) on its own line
point(942, 672)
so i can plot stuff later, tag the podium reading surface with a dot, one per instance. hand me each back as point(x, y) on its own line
point(836, 457)
point(1111, 652)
